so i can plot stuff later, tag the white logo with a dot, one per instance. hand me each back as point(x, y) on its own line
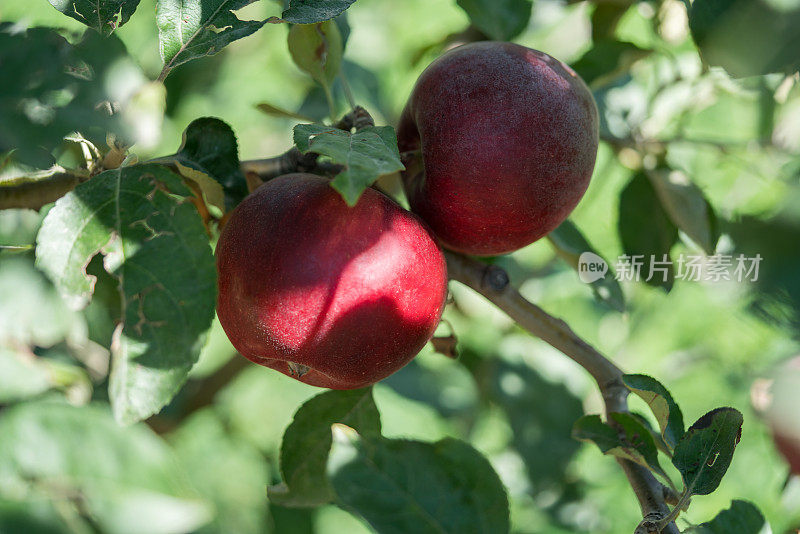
point(591, 267)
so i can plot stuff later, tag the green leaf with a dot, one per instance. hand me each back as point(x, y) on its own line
point(540, 435)
point(312, 11)
point(154, 244)
point(51, 89)
point(634, 442)
point(408, 486)
point(307, 443)
point(646, 232)
point(209, 189)
point(21, 376)
point(687, 207)
point(592, 429)
point(742, 517)
point(31, 312)
point(317, 49)
point(234, 482)
point(501, 20)
point(657, 437)
point(104, 16)
point(36, 515)
point(294, 520)
point(664, 408)
point(365, 155)
point(572, 247)
point(637, 437)
point(276, 111)
point(777, 280)
point(705, 452)
point(746, 37)
point(126, 477)
point(189, 29)
point(209, 145)
point(605, 18)
point(607, 58)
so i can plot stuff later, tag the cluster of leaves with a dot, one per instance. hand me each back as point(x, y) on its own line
point(51, 88)
point(747, 38)
point(334, 452)
point(140, 479)
point(139, 218)
point(130, 240)
point(702, 454)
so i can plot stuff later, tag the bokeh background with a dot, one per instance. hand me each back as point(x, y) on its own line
point(215, 448)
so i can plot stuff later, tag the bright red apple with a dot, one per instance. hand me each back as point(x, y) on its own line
point(334, 296)
point(501, 142)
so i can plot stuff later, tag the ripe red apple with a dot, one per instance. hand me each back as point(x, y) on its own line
point(334, 296)
point(503, 141)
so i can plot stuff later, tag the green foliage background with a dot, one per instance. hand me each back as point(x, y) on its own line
point(511, 396)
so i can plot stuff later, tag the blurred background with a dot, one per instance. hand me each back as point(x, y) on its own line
point(203, 464)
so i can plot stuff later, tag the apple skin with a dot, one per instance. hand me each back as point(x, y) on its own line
point(334, 296)
point(504, 140)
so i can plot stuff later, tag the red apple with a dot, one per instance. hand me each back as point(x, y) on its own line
point(501, 142)
point(334, 296)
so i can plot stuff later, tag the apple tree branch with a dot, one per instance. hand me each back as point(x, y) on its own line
point(493, 283)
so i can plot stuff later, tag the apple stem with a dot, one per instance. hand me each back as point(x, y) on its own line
point(329, 98)
point(682, 504)
point(62, 181)
point(493, 282)
point(295, 161)
point(348, 94)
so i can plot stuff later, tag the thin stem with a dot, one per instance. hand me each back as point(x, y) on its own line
point(295, 161)
point(290, 161)
point(198, 394)
point(163, 74)
point(331, 103)
point(686, 496)
point(493, 283)
point(346, 86)
point(35, 194)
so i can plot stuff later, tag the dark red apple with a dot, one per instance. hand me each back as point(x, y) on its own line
point(334, 296)
point(503, 141)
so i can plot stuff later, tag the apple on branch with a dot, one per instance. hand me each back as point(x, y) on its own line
point(499, 142)
point(332, 295)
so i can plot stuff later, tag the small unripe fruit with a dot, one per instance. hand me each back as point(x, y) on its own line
point(335, 296)
point(317, 49)
point(500, 144)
